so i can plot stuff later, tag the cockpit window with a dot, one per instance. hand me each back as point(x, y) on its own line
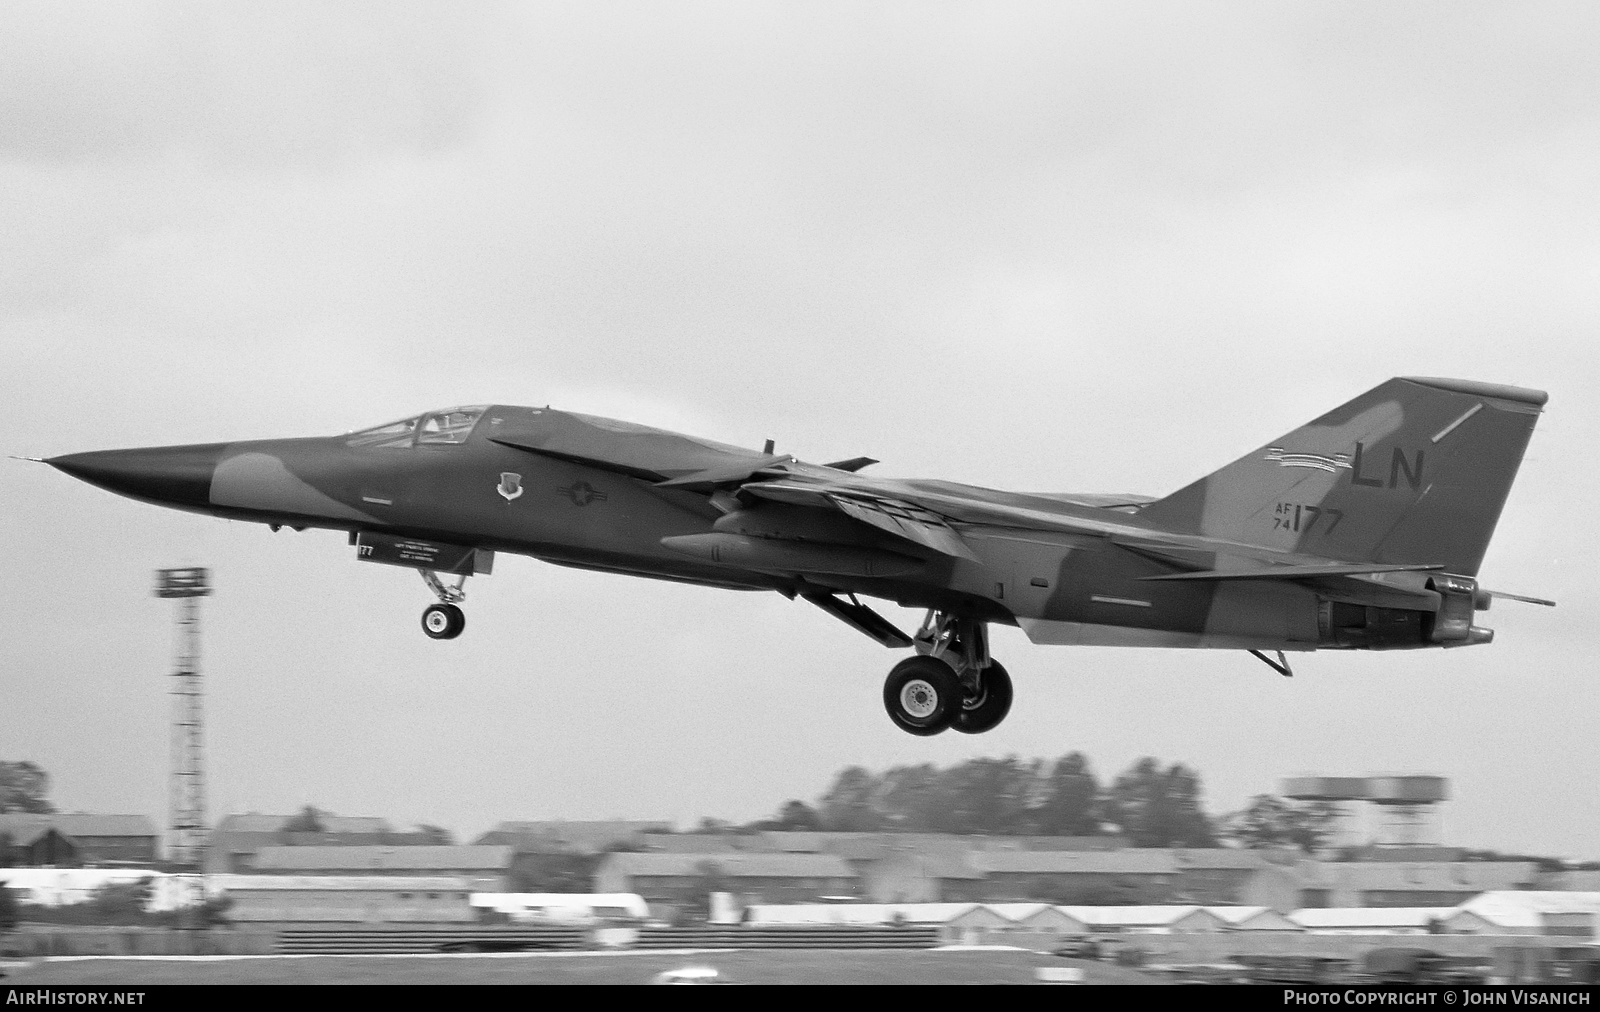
point(395, 434)
point(451, 426)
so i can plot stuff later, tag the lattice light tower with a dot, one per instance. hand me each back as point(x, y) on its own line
point(188, 800)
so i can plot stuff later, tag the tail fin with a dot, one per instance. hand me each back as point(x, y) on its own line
point(1413, 471)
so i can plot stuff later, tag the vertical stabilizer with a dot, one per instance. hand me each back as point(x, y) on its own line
point(1413, 471)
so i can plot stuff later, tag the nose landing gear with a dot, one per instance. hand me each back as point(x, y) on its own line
point(445, 620)
point(952, 682)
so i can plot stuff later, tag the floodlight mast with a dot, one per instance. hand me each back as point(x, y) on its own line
point(188, 825)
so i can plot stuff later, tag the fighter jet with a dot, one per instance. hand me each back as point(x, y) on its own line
point(1361, 530)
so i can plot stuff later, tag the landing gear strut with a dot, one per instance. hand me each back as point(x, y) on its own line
point(445, 620)
point(952, 682)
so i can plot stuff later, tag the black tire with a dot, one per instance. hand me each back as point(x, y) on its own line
point(984, 711)
point(443, 621)
point(922, 694)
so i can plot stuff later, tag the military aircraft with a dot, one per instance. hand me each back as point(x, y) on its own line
point(1363, 529)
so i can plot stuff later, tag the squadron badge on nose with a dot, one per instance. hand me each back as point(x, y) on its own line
point(510, 485)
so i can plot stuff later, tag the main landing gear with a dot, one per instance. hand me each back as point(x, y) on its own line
point(445, 620)
point(952, 682)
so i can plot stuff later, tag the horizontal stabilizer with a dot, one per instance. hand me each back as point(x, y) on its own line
point(1519, 597)
point(1292, 572)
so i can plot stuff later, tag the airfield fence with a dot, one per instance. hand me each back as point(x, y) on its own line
point(398, 939)
point(89, 940)
point(469, 938)
point(825, 936)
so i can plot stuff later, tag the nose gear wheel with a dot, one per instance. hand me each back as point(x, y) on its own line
point(443, 621)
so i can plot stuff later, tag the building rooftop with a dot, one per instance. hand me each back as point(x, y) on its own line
point(467, 858)
point(1086, 862)
point(1525, 908)
point(78, 824)
point(856, 913)
point(1370, 917)
point(1134, 916)
point(253, 822)
point(1422, 876)
point(341, 883)
point(732, 865)
point(572, 837)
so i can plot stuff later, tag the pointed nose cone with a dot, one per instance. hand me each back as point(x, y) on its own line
point(167, 475)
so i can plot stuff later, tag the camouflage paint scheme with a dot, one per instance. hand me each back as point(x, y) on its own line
point(1362, 529)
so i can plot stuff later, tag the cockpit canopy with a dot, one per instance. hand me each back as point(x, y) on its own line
point(452, 425)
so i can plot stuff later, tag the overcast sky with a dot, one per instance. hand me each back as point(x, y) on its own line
point(1066, 247)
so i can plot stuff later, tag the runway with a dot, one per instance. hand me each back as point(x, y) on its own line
point(935, 966)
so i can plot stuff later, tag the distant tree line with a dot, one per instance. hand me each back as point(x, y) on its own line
point(312, 821)
point(24, 787)
point(1151, 804)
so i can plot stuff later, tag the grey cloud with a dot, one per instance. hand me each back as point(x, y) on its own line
point(1046, 246)
point(243, 85)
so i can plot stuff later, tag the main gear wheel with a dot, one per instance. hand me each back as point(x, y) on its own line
point(922, 695)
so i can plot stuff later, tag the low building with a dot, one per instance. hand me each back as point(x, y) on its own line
point(1052, 920)
point(901, 867)
point(863, 844)
point(564, 908)
point(1373, 920)
point(580, 838)
point(235, 841)
point(1254, 919)
point(980, 925)
point(61, 887)
point(38, 846)
point(815, 914)
point(912, 876)
point(1355, 884)
point(1148, 919)
point(704, 843)
point(958, 923)
point(1221, 876)
point(1570, 880)
point(80, 839)
point(688, 879)
point(1082, 877)
point(348, 899)
point(486, 869)
point(1539, 912)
